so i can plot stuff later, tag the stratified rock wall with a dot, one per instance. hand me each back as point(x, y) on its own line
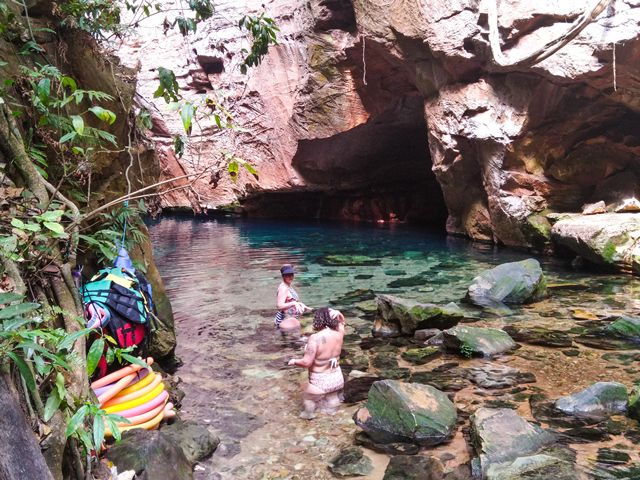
point(391, 109)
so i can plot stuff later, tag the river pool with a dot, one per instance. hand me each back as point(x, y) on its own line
point(221, 277)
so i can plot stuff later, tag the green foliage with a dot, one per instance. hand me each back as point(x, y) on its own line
point(104, 242)
point(94, 16)
point(88, 425)
point(263, 32)
point(57, 103)
point(168, 87)
point(234, 163)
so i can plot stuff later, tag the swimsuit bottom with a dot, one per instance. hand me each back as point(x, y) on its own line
point(328, 382)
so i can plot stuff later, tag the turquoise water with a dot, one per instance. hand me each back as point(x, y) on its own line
point(222, 275)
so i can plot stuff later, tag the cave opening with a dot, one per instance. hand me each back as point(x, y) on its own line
point(379, 171)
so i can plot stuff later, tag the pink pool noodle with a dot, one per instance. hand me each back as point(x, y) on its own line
point(140, 409)
point(141, 374)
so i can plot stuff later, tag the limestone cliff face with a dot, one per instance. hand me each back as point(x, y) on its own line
point(390, 109)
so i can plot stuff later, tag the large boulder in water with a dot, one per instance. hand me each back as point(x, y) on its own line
point(500, 435)
point(511, 283)
point(477, 341)
point(152, 455)
point(412, 315)
point(398, 412)
point(597, 401)
point(610, 239)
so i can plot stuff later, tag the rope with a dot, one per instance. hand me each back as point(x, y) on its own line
point(548, 49)
point(615, 79)
point(364, 62)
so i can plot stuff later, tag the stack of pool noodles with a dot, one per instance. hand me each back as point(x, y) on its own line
point(136, 393)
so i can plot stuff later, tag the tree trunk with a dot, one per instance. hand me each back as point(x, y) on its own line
point(20, 455)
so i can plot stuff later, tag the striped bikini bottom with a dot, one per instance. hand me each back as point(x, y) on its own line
point(328, 382)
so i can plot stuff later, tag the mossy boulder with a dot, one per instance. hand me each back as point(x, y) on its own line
point(398, 412)
point(412, 315)
point(196, 441)
point(477, 341)
point(609, 239)
point(500, 435)
point(599, 400)
point(410, 467)
point(420, 356)
point(510, 283)
point(625, 327)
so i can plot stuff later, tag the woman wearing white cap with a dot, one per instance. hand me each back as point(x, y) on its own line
point(287, 302)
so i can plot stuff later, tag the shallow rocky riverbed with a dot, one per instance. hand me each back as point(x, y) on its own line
point(221, 277)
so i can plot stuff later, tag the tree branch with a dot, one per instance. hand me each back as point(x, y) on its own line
point(548, 49)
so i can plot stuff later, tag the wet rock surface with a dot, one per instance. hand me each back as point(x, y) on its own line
point(403, 467)
point(596, 401)
point(351, 462)
point(501, 435)
point(406, 413)
point(470, 341)
point(499, 376)
point(509, 283)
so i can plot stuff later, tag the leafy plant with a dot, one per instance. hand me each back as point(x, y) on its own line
point(234, 163)
point(88, 425)
point(263, 32)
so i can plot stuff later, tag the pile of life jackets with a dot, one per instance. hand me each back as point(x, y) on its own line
point(118, 301)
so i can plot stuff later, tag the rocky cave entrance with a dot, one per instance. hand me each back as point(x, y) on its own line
point(377, 171)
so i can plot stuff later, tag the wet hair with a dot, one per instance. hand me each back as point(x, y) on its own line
point(322, 319)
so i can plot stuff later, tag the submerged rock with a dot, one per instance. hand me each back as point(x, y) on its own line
point(404, 467)
point(447, 380)
point(499, 376)
point(151, 454)
point(539, 336)
point(510, 283)
point(420, 356)
point(599, 400)
point(477, 341)
point(388, 448)
point(358, 295)
point(398, 412)
point(414, 281)
point(349, 261)
point(534, 467)
point(351, 462)
point(357, 389)
point(384, 329)
point(412, 315)
point(500, 436)
point(634, 403)
point(610, 239)
point(625, 327)
point(196, 441)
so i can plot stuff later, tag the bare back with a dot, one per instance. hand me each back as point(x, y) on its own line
point(327, 345)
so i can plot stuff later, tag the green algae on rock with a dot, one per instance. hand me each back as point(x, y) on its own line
point(351, 462)
point(477, 341)
point(398, 412)
point(625, 327)
point(420, 356)
point(599, 400)
point(534, 467)
point(509, 283)
point(412, 315)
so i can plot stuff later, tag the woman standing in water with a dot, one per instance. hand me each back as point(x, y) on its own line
point(287, 302)
point(321, 357)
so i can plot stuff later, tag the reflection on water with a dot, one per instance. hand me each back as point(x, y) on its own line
point(221, 277)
